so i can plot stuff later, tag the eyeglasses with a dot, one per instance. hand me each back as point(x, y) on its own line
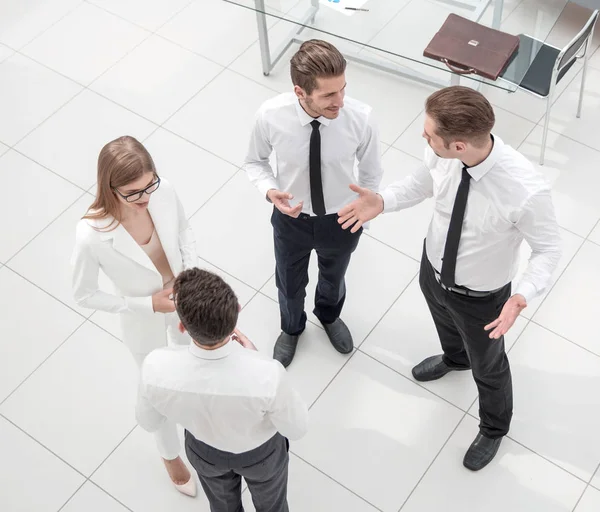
point(136, 196)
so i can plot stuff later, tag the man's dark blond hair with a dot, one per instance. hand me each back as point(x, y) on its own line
point(461, 114)
point(316, 59)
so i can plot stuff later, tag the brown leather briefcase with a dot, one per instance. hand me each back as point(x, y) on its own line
point(468, 47)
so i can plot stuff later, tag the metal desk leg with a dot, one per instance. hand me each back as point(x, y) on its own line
point(498, 8)
point(263, 37)
point(315, 4)
point(269, 60)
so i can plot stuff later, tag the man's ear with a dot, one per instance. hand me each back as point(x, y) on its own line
point(181, 328)
point(300, 93)
point(239, 307)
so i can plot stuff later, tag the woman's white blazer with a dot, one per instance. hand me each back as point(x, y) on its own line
point(133, 274)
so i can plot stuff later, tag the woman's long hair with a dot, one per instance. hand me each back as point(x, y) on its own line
point(120, 162)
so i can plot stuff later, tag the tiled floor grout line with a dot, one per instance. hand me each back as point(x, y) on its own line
point(150, 34)
point(591, 231)
point(333, 480)
point(271, 299)
point(70, 11)
point(237, 166)
point(72, 496)
point(389, 246)
point(89, 478)
point(101, 489)
point(528, 448)
point(580, 498)
point(112, 451)
point(417, 383)
point(113, 497)
point(190, 217)
point(18, 151)
point(95, 324)
point(55, 219)
point(407, 128)
point(565, 339)
point(521, 334)
point(116, 15)
point(467, 413)
point(2, 415)
point(48, 293)
point(432, 462)
point(87, 87)
point(556, 279)
point(7, 397)
point(412, 381)
point(192, 98)
point(533, 317)
point(357, 348)
point(597, 472)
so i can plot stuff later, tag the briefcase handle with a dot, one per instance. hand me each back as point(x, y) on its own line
point(457, 70)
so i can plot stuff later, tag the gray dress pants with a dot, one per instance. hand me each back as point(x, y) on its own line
point(265, 470)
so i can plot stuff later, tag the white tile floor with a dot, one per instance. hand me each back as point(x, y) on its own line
point(185, 78)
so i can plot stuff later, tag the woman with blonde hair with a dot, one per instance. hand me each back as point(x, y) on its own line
point(136, 232)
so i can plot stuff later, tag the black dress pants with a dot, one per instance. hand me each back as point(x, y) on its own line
point(294, 241)
point(459, 321)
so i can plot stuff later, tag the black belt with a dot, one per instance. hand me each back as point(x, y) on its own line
point(306, 216)
point(461, 290)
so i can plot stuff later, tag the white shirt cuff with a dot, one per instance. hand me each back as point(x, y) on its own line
point(528, 290)
point(140, 304)
point(265, 186)
point(389, 200)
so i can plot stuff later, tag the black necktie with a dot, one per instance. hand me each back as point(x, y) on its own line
point(316, 185)
point(453, 238)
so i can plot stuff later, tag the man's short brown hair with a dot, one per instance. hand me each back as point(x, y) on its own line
point(206, 305)
point(315, 59)
point(461, 113)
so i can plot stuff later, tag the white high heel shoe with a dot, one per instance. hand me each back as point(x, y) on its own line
point(189, 488)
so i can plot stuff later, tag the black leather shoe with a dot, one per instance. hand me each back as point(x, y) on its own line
point(340, 336)
point(285, 348)
point(432, 368)
point(481, 452)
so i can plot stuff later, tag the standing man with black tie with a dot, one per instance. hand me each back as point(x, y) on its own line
point(317, 135)
point(488, 198)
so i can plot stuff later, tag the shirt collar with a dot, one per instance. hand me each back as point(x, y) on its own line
point(480, 170)
point(218, 353)
point(306, 119)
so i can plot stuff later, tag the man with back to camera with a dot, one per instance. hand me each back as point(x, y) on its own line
point(488, 198)
point(317, 135)
point(237, 406)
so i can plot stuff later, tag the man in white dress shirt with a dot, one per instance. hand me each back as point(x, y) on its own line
point(317, 134)
point(237, 406)
point(488, 198)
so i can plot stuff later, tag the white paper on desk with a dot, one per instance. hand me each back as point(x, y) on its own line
point(341, 4)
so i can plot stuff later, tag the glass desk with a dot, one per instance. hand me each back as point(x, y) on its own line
point(390, 35)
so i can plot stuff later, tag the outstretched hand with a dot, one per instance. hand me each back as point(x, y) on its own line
point(361, 210)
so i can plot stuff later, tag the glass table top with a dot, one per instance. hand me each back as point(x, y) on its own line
point(392, 34)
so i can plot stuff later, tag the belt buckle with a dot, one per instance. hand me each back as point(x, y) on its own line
point(452, 289)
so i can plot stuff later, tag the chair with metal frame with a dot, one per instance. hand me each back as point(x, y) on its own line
point(550, 65)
